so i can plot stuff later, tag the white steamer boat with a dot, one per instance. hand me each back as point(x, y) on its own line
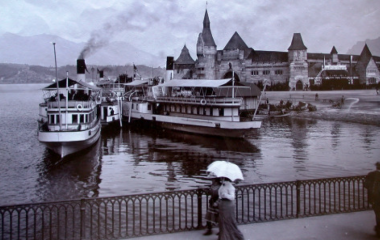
point(112, 95)
point(196, 106)
point(69, 117)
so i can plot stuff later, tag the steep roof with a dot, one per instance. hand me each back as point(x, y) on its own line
point(184, 57)
point(333, 50)
point(236, 42)
point(206, 32)
point(318, 56)
point(365, 56)
point(268, 56)
point(297, 43)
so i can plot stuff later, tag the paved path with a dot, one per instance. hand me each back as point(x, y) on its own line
point(348, 226)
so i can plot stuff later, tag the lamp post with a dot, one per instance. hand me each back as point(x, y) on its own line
point(56, 81)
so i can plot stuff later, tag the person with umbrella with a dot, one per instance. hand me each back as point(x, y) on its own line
point(213, 210)
point(228, 229)
point(228, 172)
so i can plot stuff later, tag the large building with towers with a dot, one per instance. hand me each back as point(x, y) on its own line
point(296, 66)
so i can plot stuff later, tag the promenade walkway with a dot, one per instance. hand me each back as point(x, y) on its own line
point(347, 226)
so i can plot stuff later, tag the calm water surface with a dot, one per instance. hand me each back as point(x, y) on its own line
point(131, 161)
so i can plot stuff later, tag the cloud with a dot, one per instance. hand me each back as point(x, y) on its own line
point(163, 27)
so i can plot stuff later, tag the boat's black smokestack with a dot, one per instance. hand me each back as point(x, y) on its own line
point(169, 68)
point(101, 74)
point(81, 70)
point(169, 63)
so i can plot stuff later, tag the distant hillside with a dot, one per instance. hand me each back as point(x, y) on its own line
point(38, 50)
point(22, 73)
point(373, 44)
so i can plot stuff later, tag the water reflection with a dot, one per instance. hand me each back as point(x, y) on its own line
point(146, 159)
point(139, 160)
point(110, 141)
point(369, 137)
point(194, 152)
point(73, 177)
point(297, 133)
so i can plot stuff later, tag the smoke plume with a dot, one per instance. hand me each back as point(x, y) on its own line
point(129, 19)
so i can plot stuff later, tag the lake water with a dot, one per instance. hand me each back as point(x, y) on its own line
point(130, 161)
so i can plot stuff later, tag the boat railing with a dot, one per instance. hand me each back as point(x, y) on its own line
point(79, 105)
point(211, 100)
point(72, 127)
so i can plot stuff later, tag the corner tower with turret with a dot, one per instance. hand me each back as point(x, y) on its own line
point(298, 66)
point(206, 52)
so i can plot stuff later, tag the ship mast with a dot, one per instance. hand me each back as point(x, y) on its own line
point(56, 81)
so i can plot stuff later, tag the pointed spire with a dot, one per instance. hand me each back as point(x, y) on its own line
point(206, 21)
point(206, 33)
point(297, 43)
point(333, 50)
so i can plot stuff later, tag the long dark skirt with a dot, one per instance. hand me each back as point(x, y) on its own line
point(212, 214)
point(228, 229)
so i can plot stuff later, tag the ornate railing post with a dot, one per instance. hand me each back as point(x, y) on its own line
point(298, 197)
point(82, 219)
point(200, 214)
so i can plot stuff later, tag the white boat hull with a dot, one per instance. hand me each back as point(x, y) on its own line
point(65, 142)
point(198, 106)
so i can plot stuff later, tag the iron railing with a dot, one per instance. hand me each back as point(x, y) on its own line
point(166, 212)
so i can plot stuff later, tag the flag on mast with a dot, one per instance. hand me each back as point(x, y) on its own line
point(135, 71)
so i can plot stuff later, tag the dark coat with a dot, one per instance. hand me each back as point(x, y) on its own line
point(372, 184)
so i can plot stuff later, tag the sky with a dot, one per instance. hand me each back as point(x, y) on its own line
point(164, 27)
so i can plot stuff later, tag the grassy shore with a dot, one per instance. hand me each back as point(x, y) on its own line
point(360, 106)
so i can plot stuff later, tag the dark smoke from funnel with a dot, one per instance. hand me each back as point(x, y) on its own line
point(96, 41)
point(126, 20)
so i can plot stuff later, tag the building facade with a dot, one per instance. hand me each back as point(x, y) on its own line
point(296, 67)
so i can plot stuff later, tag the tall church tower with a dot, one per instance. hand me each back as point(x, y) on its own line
point(298, 66)
point(206, 52)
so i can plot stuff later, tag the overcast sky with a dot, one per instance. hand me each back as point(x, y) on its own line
point(164, 27)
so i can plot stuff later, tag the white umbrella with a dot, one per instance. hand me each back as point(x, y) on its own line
point(225, 169)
